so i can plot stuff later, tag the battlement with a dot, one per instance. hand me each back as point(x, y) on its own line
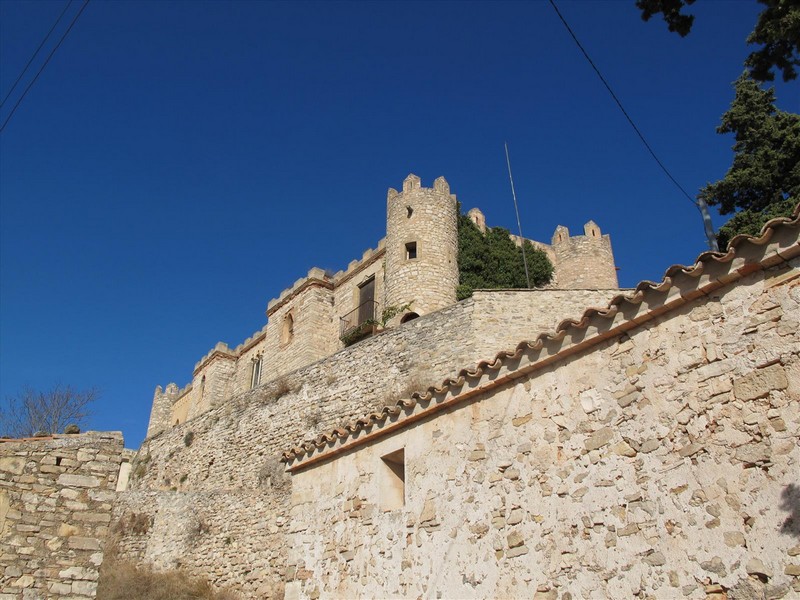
point(586, 261)
point(369, 256)
point(591, 230)
point(172, 392)
point(414, 183)
point(251, 341)
point(220, 350)
point(315, 276)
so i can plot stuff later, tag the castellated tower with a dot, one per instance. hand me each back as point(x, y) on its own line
point(161, 413)
point(421, 246)
point(584, 261)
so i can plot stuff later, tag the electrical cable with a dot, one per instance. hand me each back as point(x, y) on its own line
point(622, 108)
point(58, 20)
point(699, 204)
point(47, 60)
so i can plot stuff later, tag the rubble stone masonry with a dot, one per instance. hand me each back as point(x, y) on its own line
point(56, 496)
point(662, 463)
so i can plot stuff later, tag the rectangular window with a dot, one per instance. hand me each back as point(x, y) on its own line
point(255, 373)
point(411, 250)
point(392, 480)
point(366, 301)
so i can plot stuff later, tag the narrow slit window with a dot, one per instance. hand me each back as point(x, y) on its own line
point(288, 329)
point(392, 480)
point(411, 250)
point(255, 373)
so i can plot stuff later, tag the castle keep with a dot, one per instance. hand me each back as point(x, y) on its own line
point(416, 264)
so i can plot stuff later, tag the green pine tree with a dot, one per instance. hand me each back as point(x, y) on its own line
point(764, 180)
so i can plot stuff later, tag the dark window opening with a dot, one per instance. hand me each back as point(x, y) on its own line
point(411, 250)
point(393, 480)
point(287, 331)
point(409, 317)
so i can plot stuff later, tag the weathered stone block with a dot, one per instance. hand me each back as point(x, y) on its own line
point(12, 464)
point(84, 481)
point(760, 383)
point(599, 438)
point(753, 453)
point(83, 543)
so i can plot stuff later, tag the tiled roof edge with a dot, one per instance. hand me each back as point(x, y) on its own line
point(637, 296)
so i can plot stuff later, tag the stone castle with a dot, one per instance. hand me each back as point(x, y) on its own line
point(416, 263)
point(577, 441)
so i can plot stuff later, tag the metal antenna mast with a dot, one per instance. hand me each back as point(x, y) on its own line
point(519, 225)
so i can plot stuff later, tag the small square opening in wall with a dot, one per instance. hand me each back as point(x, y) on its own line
point(392, 480)
point(411, 250)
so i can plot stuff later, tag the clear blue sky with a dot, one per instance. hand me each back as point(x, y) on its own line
point(178, 164)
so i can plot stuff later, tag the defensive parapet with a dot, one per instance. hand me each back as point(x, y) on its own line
point(161, 413)
point(421, 246)
point(584, 261)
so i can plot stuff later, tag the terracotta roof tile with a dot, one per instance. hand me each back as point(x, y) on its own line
point(679, 285)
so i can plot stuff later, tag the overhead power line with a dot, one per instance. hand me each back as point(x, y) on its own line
point(58, 20)
point(699, 203)
point(47, 60)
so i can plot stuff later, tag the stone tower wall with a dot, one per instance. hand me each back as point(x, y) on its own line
point(288, 347)
point(584, 261)
point(161, 412)
point(429, 218)
point(214, 381)
point(56, 498)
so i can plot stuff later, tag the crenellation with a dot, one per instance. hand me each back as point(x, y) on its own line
point(250, 341)
point(411, 183)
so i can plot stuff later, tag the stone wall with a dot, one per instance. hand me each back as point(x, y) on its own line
point(662, 463)
point(233, 538)
point(216, 464)
point(503, 318)
point(56, 497)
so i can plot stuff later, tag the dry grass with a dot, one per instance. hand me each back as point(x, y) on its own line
point(134, 523)
point(126, 581)
point(282, 387)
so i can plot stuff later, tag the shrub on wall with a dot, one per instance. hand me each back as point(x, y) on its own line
point(494, 261)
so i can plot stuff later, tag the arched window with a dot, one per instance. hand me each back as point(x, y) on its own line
point(408, 317)
point(287, 332)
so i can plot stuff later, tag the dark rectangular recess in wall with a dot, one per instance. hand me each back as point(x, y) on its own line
point(393, 480)
point(411, 250)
